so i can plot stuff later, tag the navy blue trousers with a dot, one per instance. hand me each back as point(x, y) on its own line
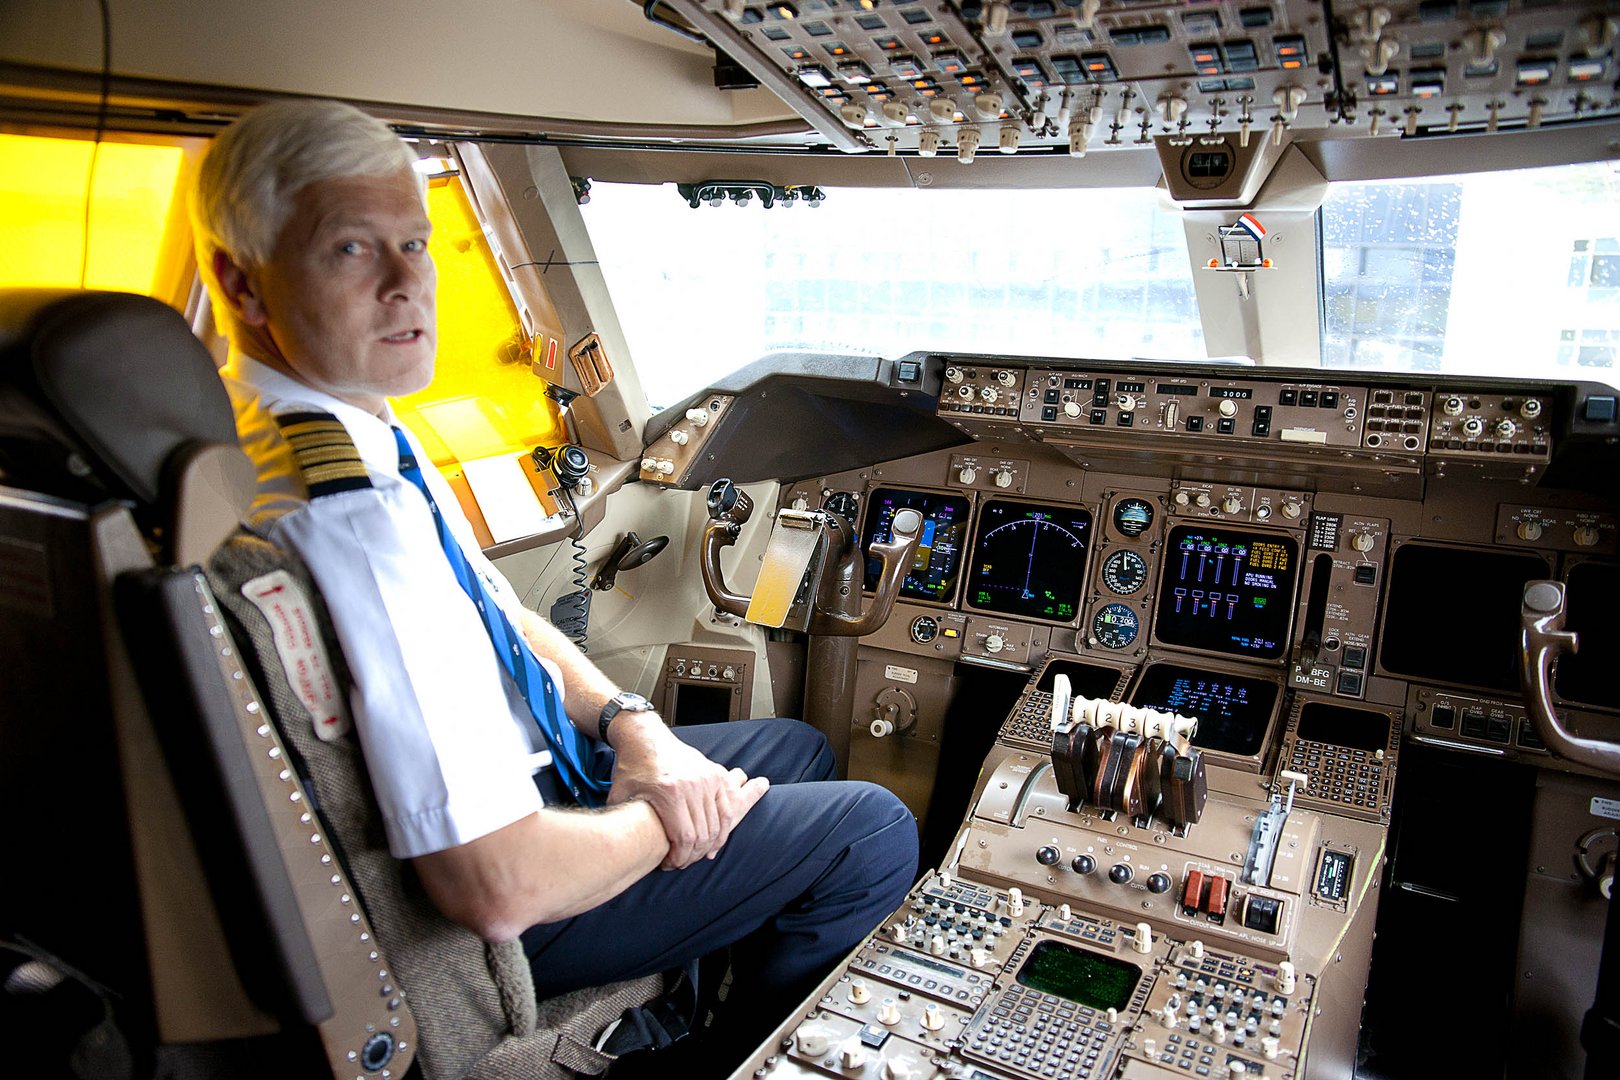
point(815, 865)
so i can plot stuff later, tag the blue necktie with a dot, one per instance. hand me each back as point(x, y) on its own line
point(571, 752)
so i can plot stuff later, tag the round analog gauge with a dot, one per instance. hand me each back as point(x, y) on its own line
point(1115, 626)
point(1124, 572)
point(924, 629)
point(1133, 516)
point(844, 504)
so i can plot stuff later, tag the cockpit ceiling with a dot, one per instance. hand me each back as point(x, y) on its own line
point(1036, 93)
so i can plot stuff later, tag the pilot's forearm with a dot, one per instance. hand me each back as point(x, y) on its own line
point(587, 688)
point(548, 866)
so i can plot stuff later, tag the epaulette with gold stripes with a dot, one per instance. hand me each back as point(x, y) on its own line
point(324, 453)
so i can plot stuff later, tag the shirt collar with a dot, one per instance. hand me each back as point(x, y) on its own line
point(280, 393)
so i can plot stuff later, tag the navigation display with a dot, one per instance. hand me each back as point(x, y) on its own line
point(938, 562)
point(1453, 614)
point(1227, 590)
point(1233, 710)
point(1029, 560)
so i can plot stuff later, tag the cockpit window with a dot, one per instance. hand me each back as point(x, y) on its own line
point(1505, 273)
point(701, 292)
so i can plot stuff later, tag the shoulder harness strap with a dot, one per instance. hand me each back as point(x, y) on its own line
point(324, 453)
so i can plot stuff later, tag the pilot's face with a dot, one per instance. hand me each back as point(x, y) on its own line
point(345, 303)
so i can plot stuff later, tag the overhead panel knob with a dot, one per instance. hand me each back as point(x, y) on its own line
point(812, 1040)
point(859, 993)
point(898, 1069)
point(987, 106)
point(852, 1057)
point(894, 114)
point(888, 1013)
point(967, 145)
point(932, 1019)
point(942, 109)
point(928, 143)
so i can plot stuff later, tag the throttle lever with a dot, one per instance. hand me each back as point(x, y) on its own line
point(1542, 641)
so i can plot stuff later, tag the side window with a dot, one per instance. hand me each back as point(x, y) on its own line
point(485, 409)
point(139, 241)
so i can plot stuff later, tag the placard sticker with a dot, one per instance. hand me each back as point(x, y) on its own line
point(900, 674)
point(303, 655)
point(1606, 808)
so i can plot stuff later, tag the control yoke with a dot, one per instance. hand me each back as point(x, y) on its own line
point(808, 578)
point(1542, 642)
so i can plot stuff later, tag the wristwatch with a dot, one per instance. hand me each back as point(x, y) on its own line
point(623, 701)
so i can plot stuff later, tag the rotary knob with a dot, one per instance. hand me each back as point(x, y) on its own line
point(852, 1057)
point(932, 1019)
point(1047, 855)
point(1003, 478)
point(994, 643)
point(679, 437)
point(1506, 429)
point(1072, 409)
point(1182, 498)
point(1530, 409)
point(964, 392)
point(1143, 942)
point(989, 394)
point(812, 1040)
point(1227, 408)
point(1126, 403)
point(1473, 427)
point(967, 474)
point(698, 417)
point(897, 1069)
point(1005, 378)
point(1363, 541)
point(1291, 509)
point(888, 1013)
point(1453, 406)
point(1203, 500)
point(1083, 864)
point(1586, 535)
point(953, 375)
point(1529, 530)
point(859, 994)
point(1231, 504)
point(1120, 873)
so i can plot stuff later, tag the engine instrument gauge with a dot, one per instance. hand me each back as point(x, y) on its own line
point(924, 629)
point(1133, 516)
point(1124, 572)
point(1115, 626)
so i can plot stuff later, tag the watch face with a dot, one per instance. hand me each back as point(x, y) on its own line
point(629, 702)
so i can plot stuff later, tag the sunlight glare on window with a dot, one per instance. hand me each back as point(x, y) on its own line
point(702, 292)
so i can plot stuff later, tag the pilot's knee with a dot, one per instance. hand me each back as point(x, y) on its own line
point(805, 747)
point(889, 833)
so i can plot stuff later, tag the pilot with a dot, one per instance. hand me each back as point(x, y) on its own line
point(312, 236)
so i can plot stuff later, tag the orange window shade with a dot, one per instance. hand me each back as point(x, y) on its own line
point(484, 400)
point(134, 214)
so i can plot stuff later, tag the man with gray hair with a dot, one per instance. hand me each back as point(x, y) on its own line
point(314, 242)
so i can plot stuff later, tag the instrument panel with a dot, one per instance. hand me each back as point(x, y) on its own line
point(1330, 576)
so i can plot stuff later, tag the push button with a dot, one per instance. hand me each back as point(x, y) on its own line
point(1444, 716)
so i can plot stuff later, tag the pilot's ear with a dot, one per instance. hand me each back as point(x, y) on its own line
point(240, 291)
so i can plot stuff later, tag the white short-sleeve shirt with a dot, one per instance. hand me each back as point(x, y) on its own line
point(449, 741)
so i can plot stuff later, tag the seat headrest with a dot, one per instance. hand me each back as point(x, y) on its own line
point(109, 395)
point(121, 375)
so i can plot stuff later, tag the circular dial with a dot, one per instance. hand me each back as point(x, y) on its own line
point(1115, 626)
point(1133, 516)
point(844, 504)
point(924, 629)
point(1124, 572)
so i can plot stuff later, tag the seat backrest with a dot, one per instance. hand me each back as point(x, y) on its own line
point(108, 399)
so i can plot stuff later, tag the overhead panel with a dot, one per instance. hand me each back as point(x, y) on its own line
point(1077, 76)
